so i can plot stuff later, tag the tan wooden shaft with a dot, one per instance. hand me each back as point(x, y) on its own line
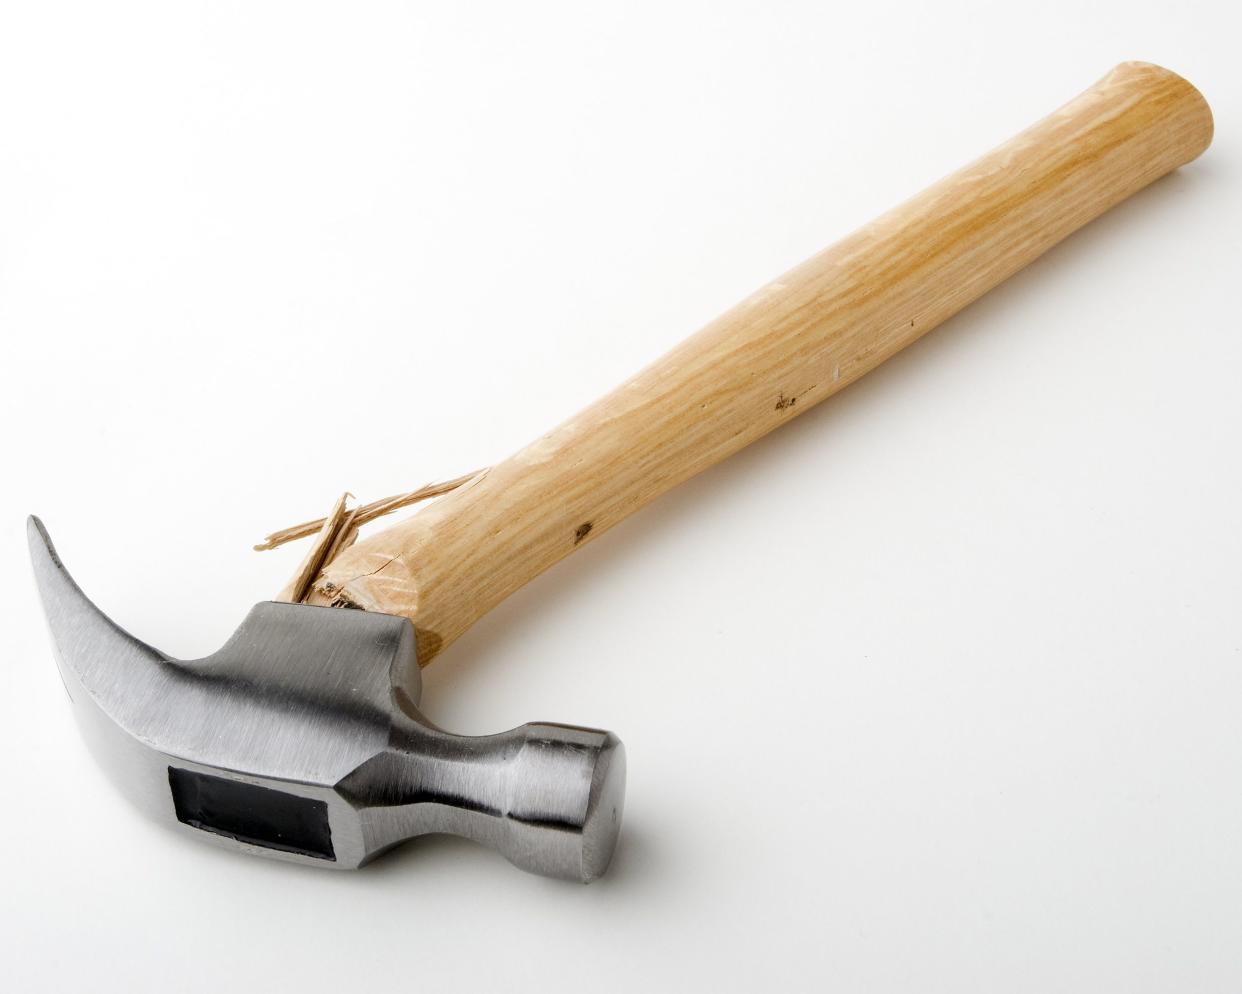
point(795, 342)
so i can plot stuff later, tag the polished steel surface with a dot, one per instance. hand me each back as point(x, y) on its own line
point(321, 703)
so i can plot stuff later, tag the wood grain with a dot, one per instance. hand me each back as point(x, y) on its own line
point(784, 349)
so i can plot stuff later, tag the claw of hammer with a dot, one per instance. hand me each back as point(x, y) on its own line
point(301, 739)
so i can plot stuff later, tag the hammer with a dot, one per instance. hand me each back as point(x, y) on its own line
point(302, 739)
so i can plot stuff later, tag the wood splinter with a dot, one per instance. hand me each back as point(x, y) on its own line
point(339, 530)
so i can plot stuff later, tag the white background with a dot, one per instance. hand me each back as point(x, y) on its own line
point(937, 688)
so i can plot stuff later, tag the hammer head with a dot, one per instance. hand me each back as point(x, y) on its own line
point(301, 739)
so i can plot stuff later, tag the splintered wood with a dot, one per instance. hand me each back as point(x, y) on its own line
point(328, 537)
point(339, 530)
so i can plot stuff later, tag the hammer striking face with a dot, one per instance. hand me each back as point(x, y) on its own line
point(301, 739)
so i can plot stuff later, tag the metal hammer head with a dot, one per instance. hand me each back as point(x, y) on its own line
point(301, 739)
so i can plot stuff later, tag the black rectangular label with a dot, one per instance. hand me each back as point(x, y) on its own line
point(258, 815)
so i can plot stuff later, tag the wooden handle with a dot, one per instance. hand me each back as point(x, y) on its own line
point(795, 342)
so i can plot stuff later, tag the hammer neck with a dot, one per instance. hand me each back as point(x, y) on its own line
point(546, 796)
